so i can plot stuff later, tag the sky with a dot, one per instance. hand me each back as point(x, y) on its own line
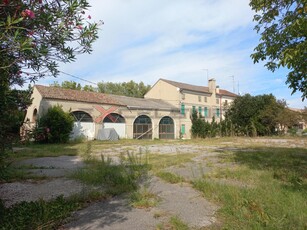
point(189, 41)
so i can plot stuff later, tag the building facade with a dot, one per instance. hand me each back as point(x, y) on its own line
point(164, 112)
point(208, 101)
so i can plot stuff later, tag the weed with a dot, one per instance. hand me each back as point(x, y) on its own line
point(277, 199)
point(44, 214)
point(174, 223)
point(115, 178)
point(170, 177)
point(143, 198)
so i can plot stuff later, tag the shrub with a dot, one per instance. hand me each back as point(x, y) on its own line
point(54, 127)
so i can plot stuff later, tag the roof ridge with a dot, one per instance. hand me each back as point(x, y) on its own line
point(194, 87)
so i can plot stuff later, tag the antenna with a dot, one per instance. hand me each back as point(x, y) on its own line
point(233, 83)
point(207, 74)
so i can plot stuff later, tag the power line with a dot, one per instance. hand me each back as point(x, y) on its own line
point(79, 78)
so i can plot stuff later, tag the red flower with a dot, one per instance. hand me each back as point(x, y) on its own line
point(30, 13)
point(89, 17)
point(6, 2)
point(79, 27)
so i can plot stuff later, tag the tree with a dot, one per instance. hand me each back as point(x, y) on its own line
point(35, 37)
point(260, 115)
point(54, 127)
point(130, 89)
point(282, 25)
point(68, 85)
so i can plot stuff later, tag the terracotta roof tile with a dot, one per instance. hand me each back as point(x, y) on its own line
point(76, 95)
point(201, 89)
point(93, 97)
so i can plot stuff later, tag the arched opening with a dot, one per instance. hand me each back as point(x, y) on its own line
point(34, 117)
point(84, 127)
point(117, 122)
point(81, 116)
point(142, 128)
point(114, 118)
point(166, 128)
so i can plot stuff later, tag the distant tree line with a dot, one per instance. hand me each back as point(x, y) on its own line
point(248, 115)
point(130, 89)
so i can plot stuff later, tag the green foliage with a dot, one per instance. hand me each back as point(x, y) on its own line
point(130, 89)
point(143, 198)
point(282, 26)
point(44, 214)
point(260, 115)
point(114, 178)
point(202, 128)
point(67, 85)
point(13, 104)
point(35, 37)
point(54, 127)
point(173, 223)
point(266, 189)
point(170, 177)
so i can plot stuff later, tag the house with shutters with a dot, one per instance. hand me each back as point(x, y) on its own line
point(209, 101)
point(164, 112)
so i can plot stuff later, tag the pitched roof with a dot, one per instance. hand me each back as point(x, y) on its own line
point(200, 89)
point(75, 95)
point(144, 103)
point(94, 97)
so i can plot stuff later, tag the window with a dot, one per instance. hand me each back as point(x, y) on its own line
point(217, 101)
point(81, 116)
point(34, 118)
point(182, 96)
point(217, 112)
point(199, 110)
point(182, 110)
point(205, 99)
point(226, 102)
point(206, 112)
point(182, 129)
point(193, 108)
point(199, 98)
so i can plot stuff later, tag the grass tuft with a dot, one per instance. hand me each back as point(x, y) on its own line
point(170, 177)
point(143, 198)
point(174, 223)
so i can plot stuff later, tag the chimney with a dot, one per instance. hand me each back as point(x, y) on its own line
point(212, 85)
point(217, 89)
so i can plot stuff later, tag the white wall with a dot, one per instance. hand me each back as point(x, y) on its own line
point(85, 129)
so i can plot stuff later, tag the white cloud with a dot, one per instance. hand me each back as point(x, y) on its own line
point(176, 39)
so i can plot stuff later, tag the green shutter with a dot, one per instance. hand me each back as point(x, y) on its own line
point(218, 112)
point(206, 112)
point(182, 111)
point(199, 110)
point(182, 129)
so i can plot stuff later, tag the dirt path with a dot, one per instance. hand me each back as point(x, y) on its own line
point(177, 200)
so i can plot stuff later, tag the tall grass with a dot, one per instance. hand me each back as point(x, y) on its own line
point(113, 178)
point(276, 193)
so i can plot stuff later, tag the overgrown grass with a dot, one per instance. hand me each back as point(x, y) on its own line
point(174, 223)
point(44, 214)
point(277, 197)
point(115, 178)
point(144, 198)
point(161, 161)
point(170, 177)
